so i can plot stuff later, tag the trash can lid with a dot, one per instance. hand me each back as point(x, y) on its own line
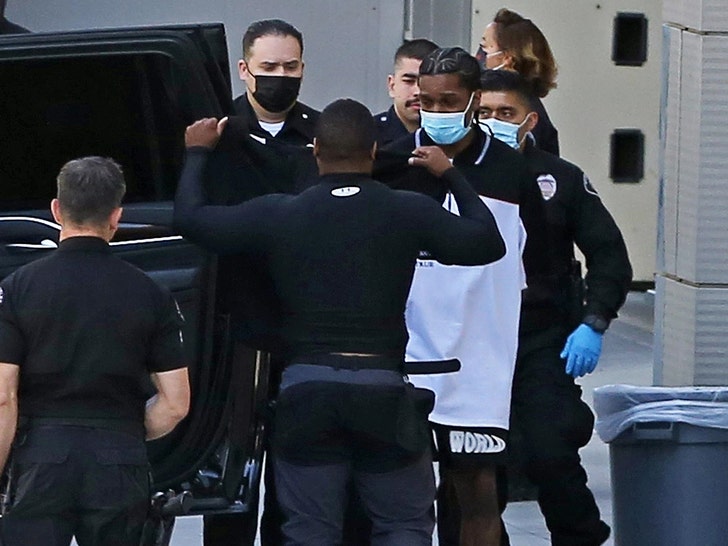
point(618, 407)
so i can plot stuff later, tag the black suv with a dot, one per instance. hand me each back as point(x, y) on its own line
point(129, 94)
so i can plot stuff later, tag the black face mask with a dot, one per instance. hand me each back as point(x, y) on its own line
point(481, 57)
point(276, 93)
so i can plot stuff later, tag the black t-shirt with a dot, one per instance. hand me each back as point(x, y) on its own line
point(342, 253)
point(86, 329)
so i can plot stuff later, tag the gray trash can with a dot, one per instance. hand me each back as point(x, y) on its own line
point(668, 452)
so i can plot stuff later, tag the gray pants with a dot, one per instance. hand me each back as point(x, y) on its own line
point(399, 502)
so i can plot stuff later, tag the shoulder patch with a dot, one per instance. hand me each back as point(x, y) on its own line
point(588, 188)
point(547, 185)
point(2, 295)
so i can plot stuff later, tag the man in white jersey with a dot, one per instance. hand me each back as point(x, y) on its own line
point(469, 313)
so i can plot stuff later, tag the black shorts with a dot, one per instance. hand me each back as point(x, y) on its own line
point(470, 447)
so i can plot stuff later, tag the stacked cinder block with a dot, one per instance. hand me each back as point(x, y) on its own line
point(691, 323)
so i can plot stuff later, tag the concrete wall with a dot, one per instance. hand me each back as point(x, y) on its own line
point(691, 345)
point(595, 97)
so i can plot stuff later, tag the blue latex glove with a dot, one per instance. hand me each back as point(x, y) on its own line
point(582, 351)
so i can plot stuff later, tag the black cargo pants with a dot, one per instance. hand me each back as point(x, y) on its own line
point(553, 422)
point(77, 481)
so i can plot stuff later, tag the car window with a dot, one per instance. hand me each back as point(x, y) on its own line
point(54, 110)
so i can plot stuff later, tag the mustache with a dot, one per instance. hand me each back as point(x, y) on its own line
point(412, 102)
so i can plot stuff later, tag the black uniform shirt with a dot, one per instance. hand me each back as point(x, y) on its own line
point(248, 162)
point(389, 127)
point(576, 214)
point(342, 253)
point(86, 329)
point(493, 170)
point(298, 128)
point(546, 135)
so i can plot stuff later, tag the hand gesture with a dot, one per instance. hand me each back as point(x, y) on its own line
point(432, 158)
point(205, 132)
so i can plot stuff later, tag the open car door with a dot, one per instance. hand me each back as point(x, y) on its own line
point(129, 94)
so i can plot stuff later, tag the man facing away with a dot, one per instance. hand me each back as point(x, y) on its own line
point(342, 256)
point(403, 117)
point(79, 331)
point(561, 330)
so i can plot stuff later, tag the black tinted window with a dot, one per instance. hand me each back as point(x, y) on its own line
point(55, 110)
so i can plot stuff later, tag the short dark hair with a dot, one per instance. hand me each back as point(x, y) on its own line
point(510, 82)
point(453, 60)
point(419, 48)
point(345, 130)
point(89, 189)
point(269, 27)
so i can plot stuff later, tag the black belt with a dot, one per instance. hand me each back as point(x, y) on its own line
point(120, 425)
point(379, 362)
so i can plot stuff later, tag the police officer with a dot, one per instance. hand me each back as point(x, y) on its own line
point(269, 119)
point(79, 331)
point(272, 69)
point(470, 313)
point(265, 148)
point(342, 255)
point(561, 330)
point(403, 117)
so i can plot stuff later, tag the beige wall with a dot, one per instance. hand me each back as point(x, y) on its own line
point(595, 97)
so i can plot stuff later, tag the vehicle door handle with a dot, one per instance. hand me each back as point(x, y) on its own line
point(45, 244)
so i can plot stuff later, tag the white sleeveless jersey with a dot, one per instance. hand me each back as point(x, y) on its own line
point(470, 313)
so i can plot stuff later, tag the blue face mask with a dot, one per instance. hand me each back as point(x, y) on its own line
point(446, 127)
point(504, 131)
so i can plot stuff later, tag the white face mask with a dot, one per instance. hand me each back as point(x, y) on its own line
point(499, 52)
point(446, 127)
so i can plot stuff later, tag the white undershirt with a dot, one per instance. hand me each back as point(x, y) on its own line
point(272, 128)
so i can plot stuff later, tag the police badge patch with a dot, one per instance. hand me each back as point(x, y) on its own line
point(547, 184)
point(588, 188)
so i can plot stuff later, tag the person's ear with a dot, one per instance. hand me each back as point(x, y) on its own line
point(115, 218)
point(56, 211)
point(374, 151)
point(509, 61)
point(390, 85)
point(531, 122)
point(316, 148)
point(475, 104)
point(243, 70)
